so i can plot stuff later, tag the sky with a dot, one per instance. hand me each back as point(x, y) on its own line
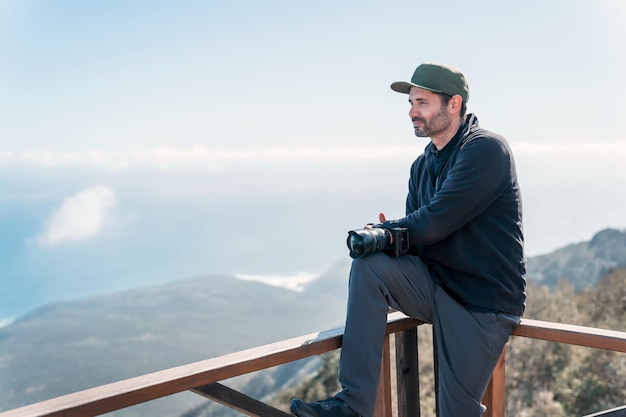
point(144, 141)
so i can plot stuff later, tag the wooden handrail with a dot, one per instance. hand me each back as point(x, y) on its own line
point(122, 394)
point(553, 332)
point(572, 335)
point(202, 376)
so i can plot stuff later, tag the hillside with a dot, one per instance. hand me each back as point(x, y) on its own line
point(581, 264)
point(70, 346)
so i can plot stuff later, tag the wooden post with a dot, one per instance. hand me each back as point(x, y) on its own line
point(407, 374)
point(383, 398)
point(494, 398)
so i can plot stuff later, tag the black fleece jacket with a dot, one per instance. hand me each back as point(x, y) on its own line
point(464, 215)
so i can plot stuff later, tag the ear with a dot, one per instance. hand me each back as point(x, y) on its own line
point(454, 105)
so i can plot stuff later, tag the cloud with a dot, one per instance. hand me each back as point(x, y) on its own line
point(615, 150)
point(214, 158)
point(297, 282)
point(80, 217)
point(201, 156)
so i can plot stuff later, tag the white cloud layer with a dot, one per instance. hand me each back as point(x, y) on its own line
point(297, 282)
point(201, 156)
point(80, 217)
point(170, 157)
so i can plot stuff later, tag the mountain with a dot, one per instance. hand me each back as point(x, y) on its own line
point(70, 346)
point(582, 264)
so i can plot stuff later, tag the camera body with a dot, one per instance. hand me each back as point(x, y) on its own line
point(394, 241)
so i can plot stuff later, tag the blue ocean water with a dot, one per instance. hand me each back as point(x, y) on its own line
point(165, 241)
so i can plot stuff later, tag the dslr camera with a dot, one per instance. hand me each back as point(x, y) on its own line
point(394, 241)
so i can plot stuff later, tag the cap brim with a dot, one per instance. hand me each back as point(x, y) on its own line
point(402, 87)
point(405, 87)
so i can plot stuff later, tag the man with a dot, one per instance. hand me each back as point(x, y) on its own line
point(465, 269)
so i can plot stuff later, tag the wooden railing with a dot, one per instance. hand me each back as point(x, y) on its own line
point(203, 377)
point(553, 332)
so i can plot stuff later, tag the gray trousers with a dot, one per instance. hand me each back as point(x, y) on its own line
point(468, 345)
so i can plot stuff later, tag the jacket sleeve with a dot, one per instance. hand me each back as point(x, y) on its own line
point(480, 173)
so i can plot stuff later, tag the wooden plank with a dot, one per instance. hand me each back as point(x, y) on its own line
point(136, 390)
point(111, 397)
point(407, 374)
point(132, 391)
point(238, 401)
point(572, 334)
point(383, 396)
point(495, 396)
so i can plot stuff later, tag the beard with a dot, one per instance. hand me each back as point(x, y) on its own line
point(438, 123)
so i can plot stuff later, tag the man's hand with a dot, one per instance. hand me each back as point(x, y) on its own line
point(381, 218)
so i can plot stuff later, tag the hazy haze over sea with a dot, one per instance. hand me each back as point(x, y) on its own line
point(143, 142)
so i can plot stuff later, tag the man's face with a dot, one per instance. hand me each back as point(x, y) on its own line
point(427, 113)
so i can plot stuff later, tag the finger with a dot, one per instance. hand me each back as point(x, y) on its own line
point(382, 217)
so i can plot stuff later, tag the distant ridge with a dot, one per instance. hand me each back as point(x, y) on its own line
point(581, 264)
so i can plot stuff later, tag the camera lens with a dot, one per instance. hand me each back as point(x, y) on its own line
point(356, 244)
point(364, 242)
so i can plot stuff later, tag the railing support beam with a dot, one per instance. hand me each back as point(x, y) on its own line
point(494, 398)
point(238, 401)
point(407, 374)
point(383, 397)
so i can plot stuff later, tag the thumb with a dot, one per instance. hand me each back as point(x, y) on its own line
point(382, 218)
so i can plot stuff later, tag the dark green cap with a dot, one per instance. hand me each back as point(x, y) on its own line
point(439, 78)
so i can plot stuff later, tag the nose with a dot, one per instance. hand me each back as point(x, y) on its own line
point(413, 112)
